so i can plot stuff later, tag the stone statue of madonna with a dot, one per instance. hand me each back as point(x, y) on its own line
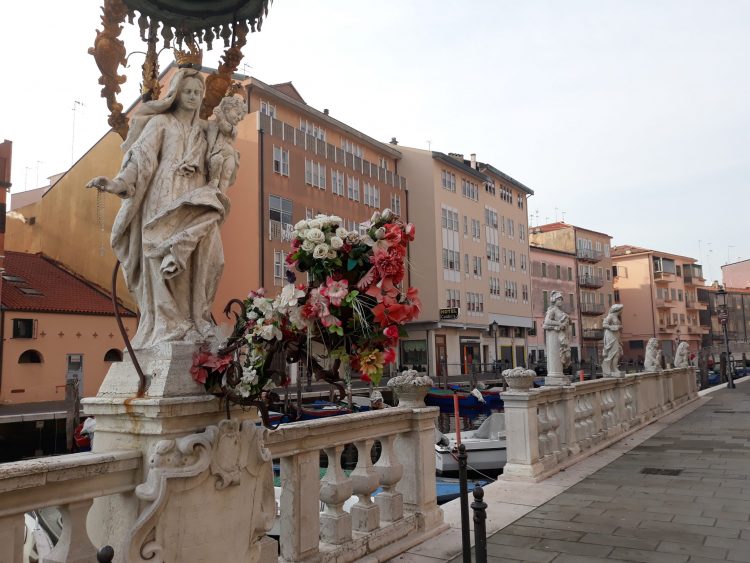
point(166, 234)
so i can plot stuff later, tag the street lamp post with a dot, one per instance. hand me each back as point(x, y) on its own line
point(494, 327)
point(723, 319)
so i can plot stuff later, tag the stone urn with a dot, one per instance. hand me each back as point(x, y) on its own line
point(410, 388)
point(519, 380)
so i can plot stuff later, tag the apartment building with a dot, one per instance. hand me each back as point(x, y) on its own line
point(553, 270)
point(736, 274)
point(736, 304)
point(663, 296)
point(6, 154)
point(470, 261)
point(595, 292)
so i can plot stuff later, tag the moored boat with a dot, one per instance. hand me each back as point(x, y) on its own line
point(485, 447)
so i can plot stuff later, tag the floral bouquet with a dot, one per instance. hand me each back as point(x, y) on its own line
point(352, 306)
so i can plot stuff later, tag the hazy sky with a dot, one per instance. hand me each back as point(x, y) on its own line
point(631, 116)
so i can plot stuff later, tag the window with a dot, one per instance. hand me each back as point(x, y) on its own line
point(493, 252)
point(372, 195)
point(352, 187)
point(451, 260)
point(113, 355)
point(506, 195)
point(281, 160)
point(449, 219)
point(466, 225)
point(477, 265)
point(570, 273)
point(337, 182)
point(396, 204)
point(609, 300)
point(466, 263)
point(448, 181)
point(679, 293)
point(512, 259)
point(494, 286)
point(382, 162)
point(268, 109)
point(476, 229)
point(545, 300)
point(520, 201)
point(452, 298)
point(544, 270)
point(489, 187)
point(573, 328)
point(521, 232)
point(355, 149)
point(30, 357)
point(511, 290)
point(510, 227)
point(279, 267)
point(609, 274)
point(312, 129)
point(557, 271)
point(490, 217)
point(474, 302)
point(679, 270)
point(315, 174)
point(280, 209)
point(617, 295)
point(23, 328)
point(524, 263)
point(414, 352)
point(469, 189)
point(571, 300)
point(525, 293)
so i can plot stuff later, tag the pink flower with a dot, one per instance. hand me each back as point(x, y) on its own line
point(391, 332)
point(389, 356)
point(335, 290)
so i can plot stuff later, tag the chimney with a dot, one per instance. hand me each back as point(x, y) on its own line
point(325, 111)
point(456, 155)
point(474, 160)
point(394, 141)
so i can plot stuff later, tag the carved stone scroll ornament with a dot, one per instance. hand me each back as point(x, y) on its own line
point(208, 496)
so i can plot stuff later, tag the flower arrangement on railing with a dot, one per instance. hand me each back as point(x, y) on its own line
point(353, 307)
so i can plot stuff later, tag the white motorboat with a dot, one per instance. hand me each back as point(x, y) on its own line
point(485, 447)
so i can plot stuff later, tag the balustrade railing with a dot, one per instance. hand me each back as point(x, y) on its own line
point(550, 428)
point(70, 482)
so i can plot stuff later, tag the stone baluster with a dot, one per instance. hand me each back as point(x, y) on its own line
point(74, 545)
point(335, 490)
point(390, 471)
point(365, 513)
point(300, 510)
point(544, 449)
point(552, 433)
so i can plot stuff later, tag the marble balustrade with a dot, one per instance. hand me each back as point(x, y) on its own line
point(551, 428)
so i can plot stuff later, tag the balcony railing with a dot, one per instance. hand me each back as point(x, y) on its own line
point(590, 281)
point(592, 308)
point(664, 302)
point(593, 333)
point(693, 304)
point(280, 231)
point(588, 255)
point(664, 276)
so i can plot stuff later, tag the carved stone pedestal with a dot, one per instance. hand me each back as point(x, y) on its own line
point(174, 408)
point(561, 379)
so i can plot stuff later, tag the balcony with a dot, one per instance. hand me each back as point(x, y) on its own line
point(695, 305)
point(588, 255)
point(280, 231)
point(693, 280)
point(667, 326)
point(664, 303)
point(696, 329)
point(664, 277)
point(590, 281)
point(593, 333)
point(592, 308)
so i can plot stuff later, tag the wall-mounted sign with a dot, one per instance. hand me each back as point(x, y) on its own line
point(448, 314)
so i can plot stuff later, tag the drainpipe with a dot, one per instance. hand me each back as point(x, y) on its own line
point(261, 201)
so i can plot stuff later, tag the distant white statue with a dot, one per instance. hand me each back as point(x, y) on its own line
point(556, 326)
point(223, 158)
point(652, 361)
point(682, 355)
point(166, 234)
point(612, 351)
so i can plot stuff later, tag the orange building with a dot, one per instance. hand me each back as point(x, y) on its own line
point(470, 262)
point(595, 293)
point(6, 154)
point(663, 296)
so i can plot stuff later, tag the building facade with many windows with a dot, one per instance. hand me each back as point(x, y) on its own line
point(595, 292)
point(663, 296)
point(470, 262)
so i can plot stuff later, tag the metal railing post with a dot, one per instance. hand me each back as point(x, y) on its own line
point(464, 491)
point(480, 525)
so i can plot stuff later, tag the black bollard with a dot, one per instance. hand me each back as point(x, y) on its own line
point(480, 529)
point(105, 554)
point(464, 490)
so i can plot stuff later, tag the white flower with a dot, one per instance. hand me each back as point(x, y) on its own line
point(341, 232)
point(269, 332)
point(367, 240)
point(336, 242)
point(301, 225)
point(252, 315)
point(315, 235)
point(288, 297)
point(335, 220)
point(353, 237)
point(321, 251)
point(265, 306)
point(249, 375)
point(380, 233)
point(386, 215)
point(375, 217)
point(315, 223)
point(331, 254)
point(308, 246)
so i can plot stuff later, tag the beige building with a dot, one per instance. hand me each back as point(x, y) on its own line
point(595, 292)
point(470, 262)
point(736, 274)
point(663, 297)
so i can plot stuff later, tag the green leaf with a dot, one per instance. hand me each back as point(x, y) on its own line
point(351, 264)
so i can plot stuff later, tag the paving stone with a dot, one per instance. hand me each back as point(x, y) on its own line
point(696, 559)
point(698, 530)
point(646, 556)
point(662, 517)
point(620, 541)
point(660, 535)
point(599, 526)
point(568, 558)
point(726, 515)
point(743, 556)
point(697, 520)
point(520, 553)
point(518, 530)
point(509, 539)
point(690, 550)
point(733, 544)
point(573, 548)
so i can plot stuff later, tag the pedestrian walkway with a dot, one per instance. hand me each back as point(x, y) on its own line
point(682, 495)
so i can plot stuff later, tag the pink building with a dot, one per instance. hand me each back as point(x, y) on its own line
point(553, 270)
point(736, 274)
point(663, 296)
